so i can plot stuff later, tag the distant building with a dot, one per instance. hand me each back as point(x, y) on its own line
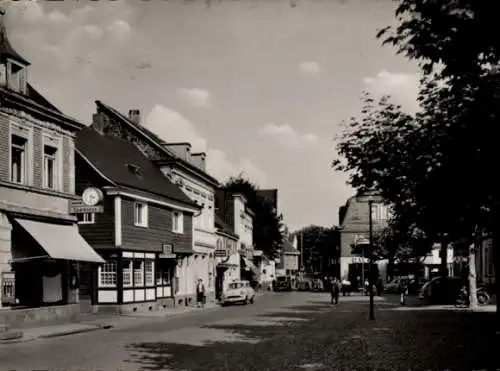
point(226, 256)
point(289, 258)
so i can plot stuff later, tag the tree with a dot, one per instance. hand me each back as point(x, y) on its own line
point(320, 246)
point(267, 225)
point(454, 43)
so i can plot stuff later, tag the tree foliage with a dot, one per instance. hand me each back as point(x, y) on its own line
point(267, 224)
point(320, 245)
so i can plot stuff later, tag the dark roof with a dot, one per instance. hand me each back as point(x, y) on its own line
point(118, 160)
point(160, 143)
point(288, 247)
point(6, 50)
point(270, 195)
point(223, 227)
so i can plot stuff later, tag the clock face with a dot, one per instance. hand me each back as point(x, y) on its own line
point(91, 197)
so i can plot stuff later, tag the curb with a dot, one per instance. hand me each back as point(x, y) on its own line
point(21, 339)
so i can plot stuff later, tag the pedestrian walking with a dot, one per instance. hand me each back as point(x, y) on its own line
point(200, 294)
point(334, 290)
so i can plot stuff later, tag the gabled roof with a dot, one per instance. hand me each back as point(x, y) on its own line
point(223, 227)
point(124, 164)
point(288, 248)
point(155, 140)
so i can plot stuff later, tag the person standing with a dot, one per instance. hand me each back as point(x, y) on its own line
point(200, 294)
point(334, 290)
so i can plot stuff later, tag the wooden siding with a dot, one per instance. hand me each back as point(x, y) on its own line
point(102, 232)
point(4, 148)
point(158, 232)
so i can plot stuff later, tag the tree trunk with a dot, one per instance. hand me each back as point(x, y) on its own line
point(496, 267)
point(472, 276)
point(443, 255)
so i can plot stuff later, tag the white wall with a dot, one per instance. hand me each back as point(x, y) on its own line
point(433, 257)
point(243, 223)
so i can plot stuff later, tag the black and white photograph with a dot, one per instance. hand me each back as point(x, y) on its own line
point(249, 185)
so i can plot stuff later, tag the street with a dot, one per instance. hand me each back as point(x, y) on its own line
point(281, 331)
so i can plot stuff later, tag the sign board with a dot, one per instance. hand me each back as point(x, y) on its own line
point(79, 208)
point(167, 252)
point(220, 253)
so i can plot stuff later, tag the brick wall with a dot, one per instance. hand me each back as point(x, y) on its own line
point(158, 232)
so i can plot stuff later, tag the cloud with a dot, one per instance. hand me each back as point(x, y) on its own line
point(172, 127)
point(287, 135)
point(99, 33)
point(195, 97)
point(402, 87)
point(310, 68)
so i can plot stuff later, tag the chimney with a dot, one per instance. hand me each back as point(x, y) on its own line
point(199, 160)
point(181, 150)
point(134, 115)
point(100, 122)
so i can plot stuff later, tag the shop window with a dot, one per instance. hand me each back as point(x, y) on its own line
point(107, 274)
point(140, 214)
point(86, 218)
point(163, 275)
point(127, 273)
point(177, 222)
point(149, 272)
point(138, 273)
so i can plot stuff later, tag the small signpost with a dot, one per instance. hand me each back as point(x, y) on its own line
point(167, 252)
point(220, 253)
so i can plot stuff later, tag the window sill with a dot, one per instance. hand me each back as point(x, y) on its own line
point(107, 287)
point(85, 223)
point(178, 232)
point(141, 225)
point(45, 191)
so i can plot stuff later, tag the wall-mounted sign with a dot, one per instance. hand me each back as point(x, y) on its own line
point(220, 253)
point(167, 252)
point(91, 202)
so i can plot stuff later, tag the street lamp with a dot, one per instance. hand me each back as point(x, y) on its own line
point(370, 199)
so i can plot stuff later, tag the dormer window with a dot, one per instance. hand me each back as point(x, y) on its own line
point(134, 169)
point(16, 76)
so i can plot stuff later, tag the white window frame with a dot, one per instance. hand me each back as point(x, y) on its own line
point(149, 275)
point(100, 274)
point(144, 206)
point(177, 222)
point(140, 270)
point(127, 269)
point(89, 220)
point(27, 134)
point(56, 143)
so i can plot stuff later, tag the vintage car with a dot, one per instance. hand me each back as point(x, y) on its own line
point(282, 283)
point(238, 292)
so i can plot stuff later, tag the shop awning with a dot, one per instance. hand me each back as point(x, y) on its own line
point(61, 241)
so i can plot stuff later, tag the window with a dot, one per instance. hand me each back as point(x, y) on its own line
point(149, 269)
point(219, 244)
point(210, 280)
point(177, 222)
point(163, 276)
point(107, 274)
point(18, 165)
point(49, 167)
point(140, 214)
point(86, 218)
point(127, 273)
point(138, 273)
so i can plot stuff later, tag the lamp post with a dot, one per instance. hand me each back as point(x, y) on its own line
point(370, 199)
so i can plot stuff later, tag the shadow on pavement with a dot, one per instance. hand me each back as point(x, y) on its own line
point(330, 338)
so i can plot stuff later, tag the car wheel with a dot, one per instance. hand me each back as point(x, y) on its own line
point(246, 301)
point(482, 299)
point(252, 300)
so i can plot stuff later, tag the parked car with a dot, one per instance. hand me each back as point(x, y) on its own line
point(304, 284)
point(412, 284)
point(441, 291)
point(282, 283)
point(238, 292)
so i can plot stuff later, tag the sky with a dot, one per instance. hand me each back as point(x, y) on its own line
point(262, 86)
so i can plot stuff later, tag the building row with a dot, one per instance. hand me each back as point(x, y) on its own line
point(108, 216)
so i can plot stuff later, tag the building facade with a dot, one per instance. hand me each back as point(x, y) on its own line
point(143, 232)
point(289, 258)
point(227, 257)
point(187, 171)
point(354, 230)
point(40, 247)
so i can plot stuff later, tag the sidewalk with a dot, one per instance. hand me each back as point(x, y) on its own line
point(90, 322)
